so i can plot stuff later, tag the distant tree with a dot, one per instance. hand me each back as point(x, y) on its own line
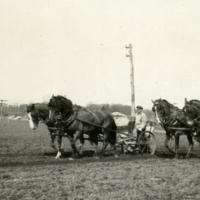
point(19, 110)
point(125, 109)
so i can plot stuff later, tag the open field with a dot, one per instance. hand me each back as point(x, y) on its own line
point(28, 170)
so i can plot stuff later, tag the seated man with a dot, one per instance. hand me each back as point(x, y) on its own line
point(140, 121)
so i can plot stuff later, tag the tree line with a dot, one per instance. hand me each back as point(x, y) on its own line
point(20, 110)
point(125, 109)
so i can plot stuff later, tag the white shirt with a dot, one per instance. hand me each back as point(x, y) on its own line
point(140, 121)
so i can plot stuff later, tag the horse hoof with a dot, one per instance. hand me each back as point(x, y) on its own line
point(71, 159)
point(96, 157)
point(58, 157)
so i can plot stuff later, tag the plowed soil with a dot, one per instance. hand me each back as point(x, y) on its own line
point(28, 170)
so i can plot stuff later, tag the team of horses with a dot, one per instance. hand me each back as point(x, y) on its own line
point(178, 122)
point(64, 119)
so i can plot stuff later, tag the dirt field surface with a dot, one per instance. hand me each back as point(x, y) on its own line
point(28, 170)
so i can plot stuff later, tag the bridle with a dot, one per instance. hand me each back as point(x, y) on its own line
point(61, 118)
point(164, 120)
point(160, 117)
point(39, 117)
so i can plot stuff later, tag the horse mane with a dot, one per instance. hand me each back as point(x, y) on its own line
point(63, 103)
point(30, 107)
point(193, 107)
point(193, 101)
point(167, 102)
point(67, 101)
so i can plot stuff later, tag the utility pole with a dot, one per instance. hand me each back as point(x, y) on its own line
point(1, 104)
point(130, 55)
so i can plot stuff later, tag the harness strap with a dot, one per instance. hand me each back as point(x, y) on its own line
point(95, 117)
point(71, 119)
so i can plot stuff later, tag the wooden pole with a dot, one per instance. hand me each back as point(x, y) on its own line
point(132, 82)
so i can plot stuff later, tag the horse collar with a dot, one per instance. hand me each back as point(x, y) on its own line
point(70, 119)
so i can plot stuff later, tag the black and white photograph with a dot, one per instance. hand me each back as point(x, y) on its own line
point(99, 100)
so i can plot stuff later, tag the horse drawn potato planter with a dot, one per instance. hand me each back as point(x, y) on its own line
point(145, 143)
point(63, 119)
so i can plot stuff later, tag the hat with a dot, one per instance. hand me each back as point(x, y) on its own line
point(140, 107)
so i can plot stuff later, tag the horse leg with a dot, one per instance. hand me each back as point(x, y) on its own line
point(191, 144)
point(59, 142)
point(73, 143)
point(177, 136)
point(71, 139)
point(82, 141)
point(114, 149)
point(52, 141)
point(105, 143)
point(78, 135)
point(166, 143)
point(96, 148)
point(93, 137)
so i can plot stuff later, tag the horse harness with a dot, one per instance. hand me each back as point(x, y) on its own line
point(73, 117)
point(190, 116)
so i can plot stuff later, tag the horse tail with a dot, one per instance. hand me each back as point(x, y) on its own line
point(112, 136)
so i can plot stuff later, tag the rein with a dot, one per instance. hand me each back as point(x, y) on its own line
point(96, 125)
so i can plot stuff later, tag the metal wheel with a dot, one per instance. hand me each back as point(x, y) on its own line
point(147, 143)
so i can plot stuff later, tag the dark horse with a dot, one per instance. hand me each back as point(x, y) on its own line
point(81, 121)
point(39, 112)
point(172, 119)
point(192, 113)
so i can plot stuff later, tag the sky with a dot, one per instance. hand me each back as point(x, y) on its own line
point(77, 49)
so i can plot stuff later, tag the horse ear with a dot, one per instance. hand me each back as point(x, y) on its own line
point(52, 95)
point(152, 101)
point(185, 101)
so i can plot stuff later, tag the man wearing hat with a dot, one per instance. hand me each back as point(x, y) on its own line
point(140, 121)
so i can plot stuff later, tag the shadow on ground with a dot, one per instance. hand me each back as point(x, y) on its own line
point(48, 158)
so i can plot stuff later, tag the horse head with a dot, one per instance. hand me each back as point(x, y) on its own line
point(168, 114)
point(161, 108)
point(32, 114)
point(37, 112)
point(192, 112)
point(59, 105)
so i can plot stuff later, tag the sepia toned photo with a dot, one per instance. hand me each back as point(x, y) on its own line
point(99, 100)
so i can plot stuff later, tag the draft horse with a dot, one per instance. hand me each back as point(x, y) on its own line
point(172, 119)
point(39, 112)
point(81, 121)
point(192, 113)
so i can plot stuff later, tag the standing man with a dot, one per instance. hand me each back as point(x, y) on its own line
point(140, 121)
